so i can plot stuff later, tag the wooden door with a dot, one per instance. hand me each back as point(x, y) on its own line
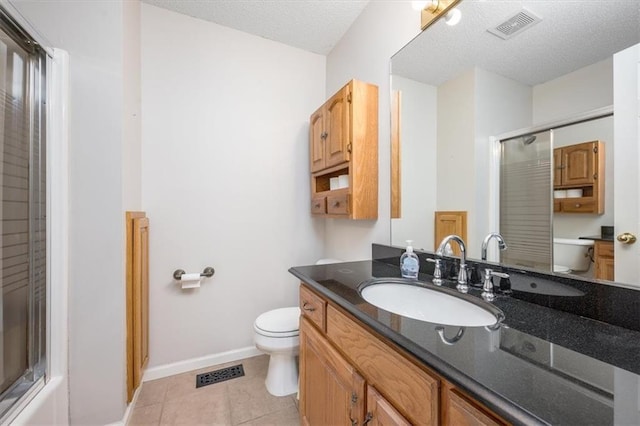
point(450, 223)
point(317, 140)
point(380, 412)
point(579, 161)
point(331, 390)
point(337, 128)
point(137, 298)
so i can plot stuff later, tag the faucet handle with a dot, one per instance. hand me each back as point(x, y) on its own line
point(487, 288)
point(437, 271)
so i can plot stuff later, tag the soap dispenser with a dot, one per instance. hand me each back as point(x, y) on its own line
point(409, 263)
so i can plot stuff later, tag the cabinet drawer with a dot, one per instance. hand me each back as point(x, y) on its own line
point(338, 204)
point(603, 249)
point(313, 307)
point(318, 205)
point(579, 206)
point(410, 389)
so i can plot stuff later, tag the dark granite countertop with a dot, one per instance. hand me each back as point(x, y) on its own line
point(542, 366)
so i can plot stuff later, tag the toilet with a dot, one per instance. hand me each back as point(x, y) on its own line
point(277, 333)
point(571, 255)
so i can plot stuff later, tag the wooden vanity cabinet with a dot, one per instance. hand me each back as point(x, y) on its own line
point(580, 166)
point(343, 140)
point(349, 375)
point(604, 260)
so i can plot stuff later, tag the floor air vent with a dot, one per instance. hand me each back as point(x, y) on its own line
point(515, 25)
point(218, 376)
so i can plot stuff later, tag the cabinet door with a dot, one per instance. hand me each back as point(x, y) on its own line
point(604, 260)
point(380, 412)
point(462, 411)
point(337, 128)
point(558, 166)
point(140, 297)
point(317, 140)
point(579, 162)
point(331, 390)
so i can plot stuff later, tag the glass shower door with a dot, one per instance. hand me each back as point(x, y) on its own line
point(22, 215)
point(526, 203)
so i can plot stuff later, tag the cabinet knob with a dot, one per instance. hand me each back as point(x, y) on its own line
point(308, 307)
point(578, 204)
point(626, 238)
point(336, 204)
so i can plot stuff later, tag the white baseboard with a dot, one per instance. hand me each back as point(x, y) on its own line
point(167, 370)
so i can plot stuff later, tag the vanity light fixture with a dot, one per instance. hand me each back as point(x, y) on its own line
point(431, 10)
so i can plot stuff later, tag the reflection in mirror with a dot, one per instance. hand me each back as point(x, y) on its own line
point(462, 88)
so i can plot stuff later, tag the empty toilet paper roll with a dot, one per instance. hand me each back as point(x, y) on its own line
point(190, 280)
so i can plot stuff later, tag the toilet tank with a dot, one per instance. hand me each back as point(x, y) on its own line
point(572, 253)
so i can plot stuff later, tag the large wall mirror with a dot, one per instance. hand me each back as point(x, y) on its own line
point(515, 87)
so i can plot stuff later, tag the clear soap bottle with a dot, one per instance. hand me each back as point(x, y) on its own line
point(409, 263)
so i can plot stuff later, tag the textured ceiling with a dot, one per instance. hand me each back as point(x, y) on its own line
point(571, 35)
point(312, 25)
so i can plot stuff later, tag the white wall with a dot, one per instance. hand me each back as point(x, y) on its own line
point(501, 105)
point(456, 151)
point(364, 53)
point(225, 178)
point(583, 225)
point(418, 163)
point(583, 90)
point(92, 33)
point(132, 133)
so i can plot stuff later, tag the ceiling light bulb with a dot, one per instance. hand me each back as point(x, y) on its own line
point(418, 5)
point(453, 17)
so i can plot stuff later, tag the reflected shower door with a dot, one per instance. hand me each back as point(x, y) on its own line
point(526, 204)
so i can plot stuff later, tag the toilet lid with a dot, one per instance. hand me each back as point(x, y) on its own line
point(561, 269)
point(283, 320)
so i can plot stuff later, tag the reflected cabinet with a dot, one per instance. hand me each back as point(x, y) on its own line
point(343, 151)
point(578, 178)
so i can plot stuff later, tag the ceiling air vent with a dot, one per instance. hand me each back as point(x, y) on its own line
point(515, 25)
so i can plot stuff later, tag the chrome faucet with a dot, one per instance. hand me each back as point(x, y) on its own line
point(462, 274)
point(501, 244)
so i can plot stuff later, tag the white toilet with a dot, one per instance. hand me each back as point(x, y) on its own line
point(571, 255)
point(277, 333)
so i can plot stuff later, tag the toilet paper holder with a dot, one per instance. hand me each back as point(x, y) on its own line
point(207, 272)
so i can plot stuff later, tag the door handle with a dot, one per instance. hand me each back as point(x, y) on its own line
point(626, 238)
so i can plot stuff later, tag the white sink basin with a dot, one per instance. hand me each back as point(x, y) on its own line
point(432, 304)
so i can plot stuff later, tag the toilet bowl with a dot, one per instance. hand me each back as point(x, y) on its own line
point(571, 255)
point(277, 334)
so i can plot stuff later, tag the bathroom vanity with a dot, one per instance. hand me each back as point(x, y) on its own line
point(543, 365)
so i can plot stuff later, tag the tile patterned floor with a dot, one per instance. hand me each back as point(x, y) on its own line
point(241, 401)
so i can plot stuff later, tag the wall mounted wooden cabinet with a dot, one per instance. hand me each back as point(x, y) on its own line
point(343, 141)
point(349, 375)
point(579, 167)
